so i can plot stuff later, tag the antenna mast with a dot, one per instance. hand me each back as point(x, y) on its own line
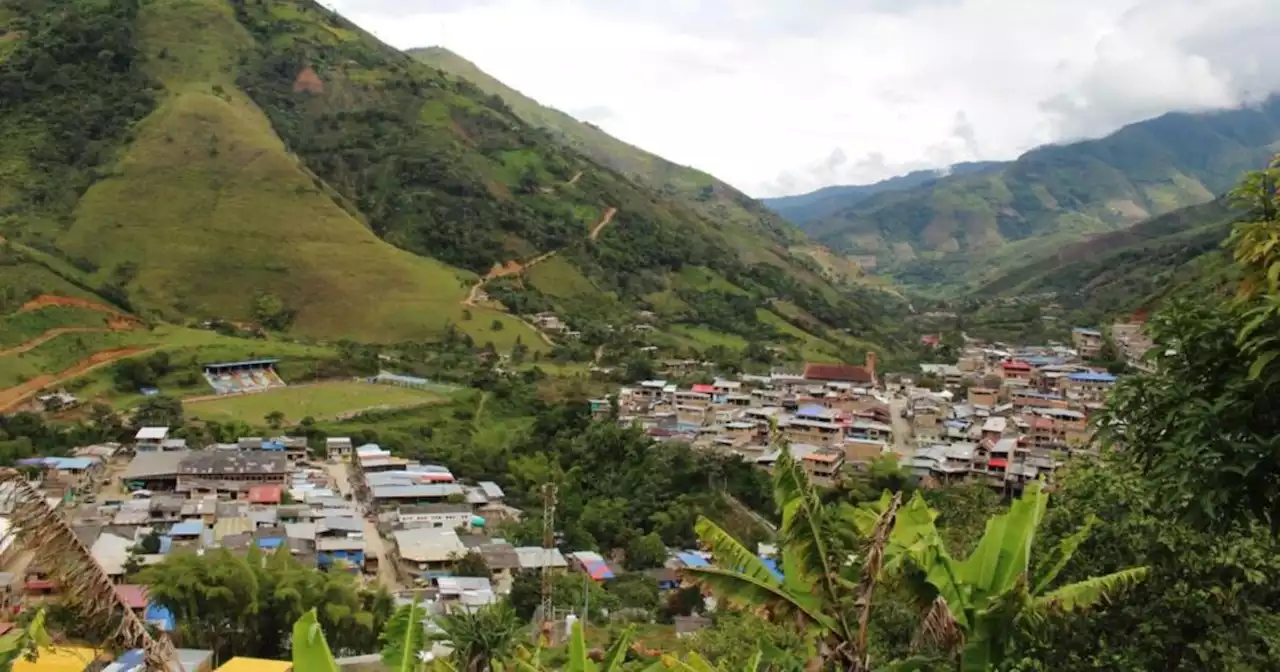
point(548, 544)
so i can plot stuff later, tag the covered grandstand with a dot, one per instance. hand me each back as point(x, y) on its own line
point(239, 377)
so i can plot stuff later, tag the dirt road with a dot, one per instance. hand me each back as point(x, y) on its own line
point(19, 393)
point(375, 545)
point(509, 268)
point(604, 221)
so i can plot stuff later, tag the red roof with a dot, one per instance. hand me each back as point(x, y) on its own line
point(841, 373)
point(704, 388)
point(41, 584)
point(997, 462)
point(929, 340)
point(134, 597)
point(266, 494)
point(1042, 423)
point(1017, 366)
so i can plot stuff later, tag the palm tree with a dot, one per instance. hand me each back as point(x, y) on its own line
point(829, 572)
point(975, 605)
point(479, 637)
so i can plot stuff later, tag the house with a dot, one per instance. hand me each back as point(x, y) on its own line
point(983, 396)
point(466, 593)
point(1015, 371)
point(338, 446)
point(535, 557)
point(503, 562)
point(1089, 385)
point(823, 466)
point(843, 373)
point(217, 472)
point(1088, 342)
point(149, 438)
point(442, 514)
point(427, 551)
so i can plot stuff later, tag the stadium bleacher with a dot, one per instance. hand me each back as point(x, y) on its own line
point(239, 377)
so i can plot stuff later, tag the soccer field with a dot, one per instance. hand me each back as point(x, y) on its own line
point(321, 401)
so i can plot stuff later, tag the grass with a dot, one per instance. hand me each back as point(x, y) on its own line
point(705, 279)
point(558, 278)
point(21, 327)
point(62, 353)
point(22, 279)
point(320, 401)
point(210, 198)
point(706, 338)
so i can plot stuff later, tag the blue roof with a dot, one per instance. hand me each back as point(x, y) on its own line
point(811, 410)
point(692, 559)
point(69, 463)
point(149, 391)
point(158, 613)
point(270, 543)
point(1091, 377)
point(166, 545)
point(1087, 331)
point(192, 529)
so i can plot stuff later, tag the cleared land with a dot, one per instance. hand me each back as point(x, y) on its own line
point(320, 401)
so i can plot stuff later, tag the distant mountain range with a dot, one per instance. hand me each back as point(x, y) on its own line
point(969, 227)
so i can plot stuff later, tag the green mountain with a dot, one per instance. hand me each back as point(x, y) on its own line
point(267, 160)
point(970, 227)
point(827, 201)
point(1122, 271)
point(704, 193)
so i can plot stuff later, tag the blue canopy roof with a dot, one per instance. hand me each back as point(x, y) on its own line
point(191, 529)
point(232, 365)
point(692, 559)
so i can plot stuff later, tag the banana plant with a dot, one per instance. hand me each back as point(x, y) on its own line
point(829, 571)
point(579, 656)
point(310, 649)
point(23, 642)
point(975, 604)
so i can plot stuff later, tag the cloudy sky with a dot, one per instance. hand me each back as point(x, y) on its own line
point(784, 96)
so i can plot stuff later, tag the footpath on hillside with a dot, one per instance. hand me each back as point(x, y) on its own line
point(19, 393)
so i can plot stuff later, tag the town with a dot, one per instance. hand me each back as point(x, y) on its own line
point(999, 414)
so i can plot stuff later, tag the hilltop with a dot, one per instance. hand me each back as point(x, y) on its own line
point(269, 162)
point(968, 227)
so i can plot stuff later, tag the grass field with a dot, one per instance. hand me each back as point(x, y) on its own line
point(320, 401)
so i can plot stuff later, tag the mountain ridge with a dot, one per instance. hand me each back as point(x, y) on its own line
point(960, 229)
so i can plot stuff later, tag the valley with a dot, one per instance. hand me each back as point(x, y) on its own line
point(319, 352)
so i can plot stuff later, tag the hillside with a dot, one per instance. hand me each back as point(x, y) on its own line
point(704, 193)
point(1116, 273)
point(827, 201)
point(268, 161)
point(969, 227)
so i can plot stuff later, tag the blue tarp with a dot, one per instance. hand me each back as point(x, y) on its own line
point(1093, 377)
point(692, 559)
point(161, 616)
point(270, 543)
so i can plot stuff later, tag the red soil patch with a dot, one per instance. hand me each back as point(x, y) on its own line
point(308, 81)
point(15, 395)
point(47, 300)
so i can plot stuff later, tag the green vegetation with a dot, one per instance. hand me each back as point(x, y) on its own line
point(319, 401)
point(954, 230)
point(22, 327)
point(712, 199)
point(244, 605)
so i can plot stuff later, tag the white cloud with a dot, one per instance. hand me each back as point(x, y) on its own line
point(783, 96)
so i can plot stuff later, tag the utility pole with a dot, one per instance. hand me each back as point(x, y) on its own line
point(548, 545)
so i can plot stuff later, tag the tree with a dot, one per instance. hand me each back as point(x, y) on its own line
point(975, 604)
point(480, 637)
point(496, 325)
point(244, 605)
point(274, 419)
point(1201, 411)
point(470, 564)
point(819, 588)
point(271, 312)
point(646, 551)
point(159, 411)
